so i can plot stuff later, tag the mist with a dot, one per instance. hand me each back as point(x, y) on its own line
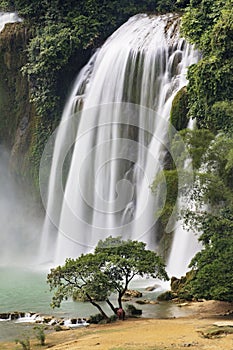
point(20, 221)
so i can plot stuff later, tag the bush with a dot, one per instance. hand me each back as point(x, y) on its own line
point(112, 318)
point(40, 334)
point(25, 343)
point(58, 328)
point(96, 318)
point(132, 310)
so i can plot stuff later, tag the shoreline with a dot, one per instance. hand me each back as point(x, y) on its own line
point(147, 333)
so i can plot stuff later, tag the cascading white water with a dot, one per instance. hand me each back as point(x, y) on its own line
point(118, 140)
point(8, 17)
point(185, 243)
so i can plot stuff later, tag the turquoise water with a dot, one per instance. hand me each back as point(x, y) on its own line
point(23, 289)
point(27, 290)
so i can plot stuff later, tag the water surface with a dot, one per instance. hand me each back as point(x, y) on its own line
point(25, 289)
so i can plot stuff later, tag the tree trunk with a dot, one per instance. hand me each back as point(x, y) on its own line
point(119, 300)
point(111, 306)
point(121, 294)
point(105, 316)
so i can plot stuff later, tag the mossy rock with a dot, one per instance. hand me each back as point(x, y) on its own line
point(166, 296)
point(179, 110)
point(179, 286)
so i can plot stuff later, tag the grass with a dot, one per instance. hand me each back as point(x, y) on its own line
point(216, 332)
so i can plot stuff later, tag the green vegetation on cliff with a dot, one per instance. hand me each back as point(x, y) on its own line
point(61, 29)
point(213, 190)
point(179, 111)
point(209, 25)
point(63, 35)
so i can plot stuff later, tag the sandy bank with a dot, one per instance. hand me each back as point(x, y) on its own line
point(147, 334)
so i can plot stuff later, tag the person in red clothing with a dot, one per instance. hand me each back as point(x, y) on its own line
point(121, 314)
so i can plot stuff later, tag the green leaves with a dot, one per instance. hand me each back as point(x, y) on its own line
point(110, 269)
point(130, 258)
point(81, 276)
point(213, 265)
point(214, 188)
point(209, 25)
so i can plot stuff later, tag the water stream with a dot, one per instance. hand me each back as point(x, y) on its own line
point(112, 139)
point(25, 290)
point(107, 150)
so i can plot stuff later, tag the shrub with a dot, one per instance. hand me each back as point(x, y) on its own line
point(25, 343)
point(40, 334)
point(132, 310)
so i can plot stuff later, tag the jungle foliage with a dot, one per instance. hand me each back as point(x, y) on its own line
point(63, 35)
point(63, 27)
point(210, 200)
point(209, 25)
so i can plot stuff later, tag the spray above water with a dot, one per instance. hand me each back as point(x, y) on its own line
point(113, 139)
point(20, 231)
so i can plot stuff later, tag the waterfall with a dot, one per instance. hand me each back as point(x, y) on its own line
point(112, 139)
point(8, 17)
point(185, 243)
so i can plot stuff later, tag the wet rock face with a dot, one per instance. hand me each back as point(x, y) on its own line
point(16, 111)
point(11, 315)
point(179, 111)
point(14, 90)
point(20, 124)
point(4, 316)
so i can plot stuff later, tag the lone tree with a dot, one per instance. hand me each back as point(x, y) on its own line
point(110, 269)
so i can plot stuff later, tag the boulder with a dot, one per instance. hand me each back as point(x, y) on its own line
point(15, 315)
point(125, 299)
point(146, 301)
point(166, 296)
point(47, 319)
point(153, 302)
point(183, 304)
point(152, 288)
point(130, 293)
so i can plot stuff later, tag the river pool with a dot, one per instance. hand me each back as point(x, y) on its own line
point(26, 290)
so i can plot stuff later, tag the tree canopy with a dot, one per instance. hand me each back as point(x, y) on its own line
point(110, 269)
point(209, 25)
point(212, 266)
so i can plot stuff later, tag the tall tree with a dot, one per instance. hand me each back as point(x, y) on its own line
point(124, 260)
point(209, 25)
point(212, 267)
point(110, 269)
